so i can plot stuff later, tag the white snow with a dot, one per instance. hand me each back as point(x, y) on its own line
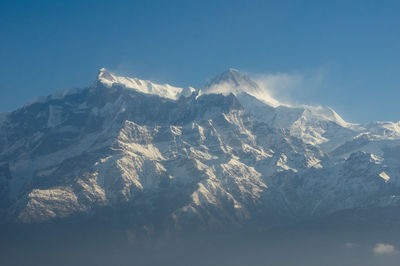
point(384, 129)
point(143, 86)
point(384, 176)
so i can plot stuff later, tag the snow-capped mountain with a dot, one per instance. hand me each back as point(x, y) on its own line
point(316, 125)
point(227, 154)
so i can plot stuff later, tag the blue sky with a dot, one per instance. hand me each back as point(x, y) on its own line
point(345, 54)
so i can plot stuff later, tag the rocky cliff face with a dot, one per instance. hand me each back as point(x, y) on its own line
point(184, 159)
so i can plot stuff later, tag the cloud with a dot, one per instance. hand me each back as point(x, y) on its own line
point(382, 249)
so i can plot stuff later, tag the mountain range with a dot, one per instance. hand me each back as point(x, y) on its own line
point(167, 159)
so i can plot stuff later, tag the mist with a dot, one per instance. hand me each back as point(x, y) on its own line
point(305, 245)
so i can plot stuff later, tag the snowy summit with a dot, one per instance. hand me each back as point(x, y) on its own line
point(237, 83)
point(144, 86)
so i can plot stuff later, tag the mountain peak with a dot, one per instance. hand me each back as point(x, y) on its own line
point(238, 83)
point(105, 77)
point(234, 77)
point(104, 74)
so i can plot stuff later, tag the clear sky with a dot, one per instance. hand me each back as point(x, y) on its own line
point(344, 54)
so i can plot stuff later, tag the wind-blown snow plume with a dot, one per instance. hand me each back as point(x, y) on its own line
point(287, 87)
